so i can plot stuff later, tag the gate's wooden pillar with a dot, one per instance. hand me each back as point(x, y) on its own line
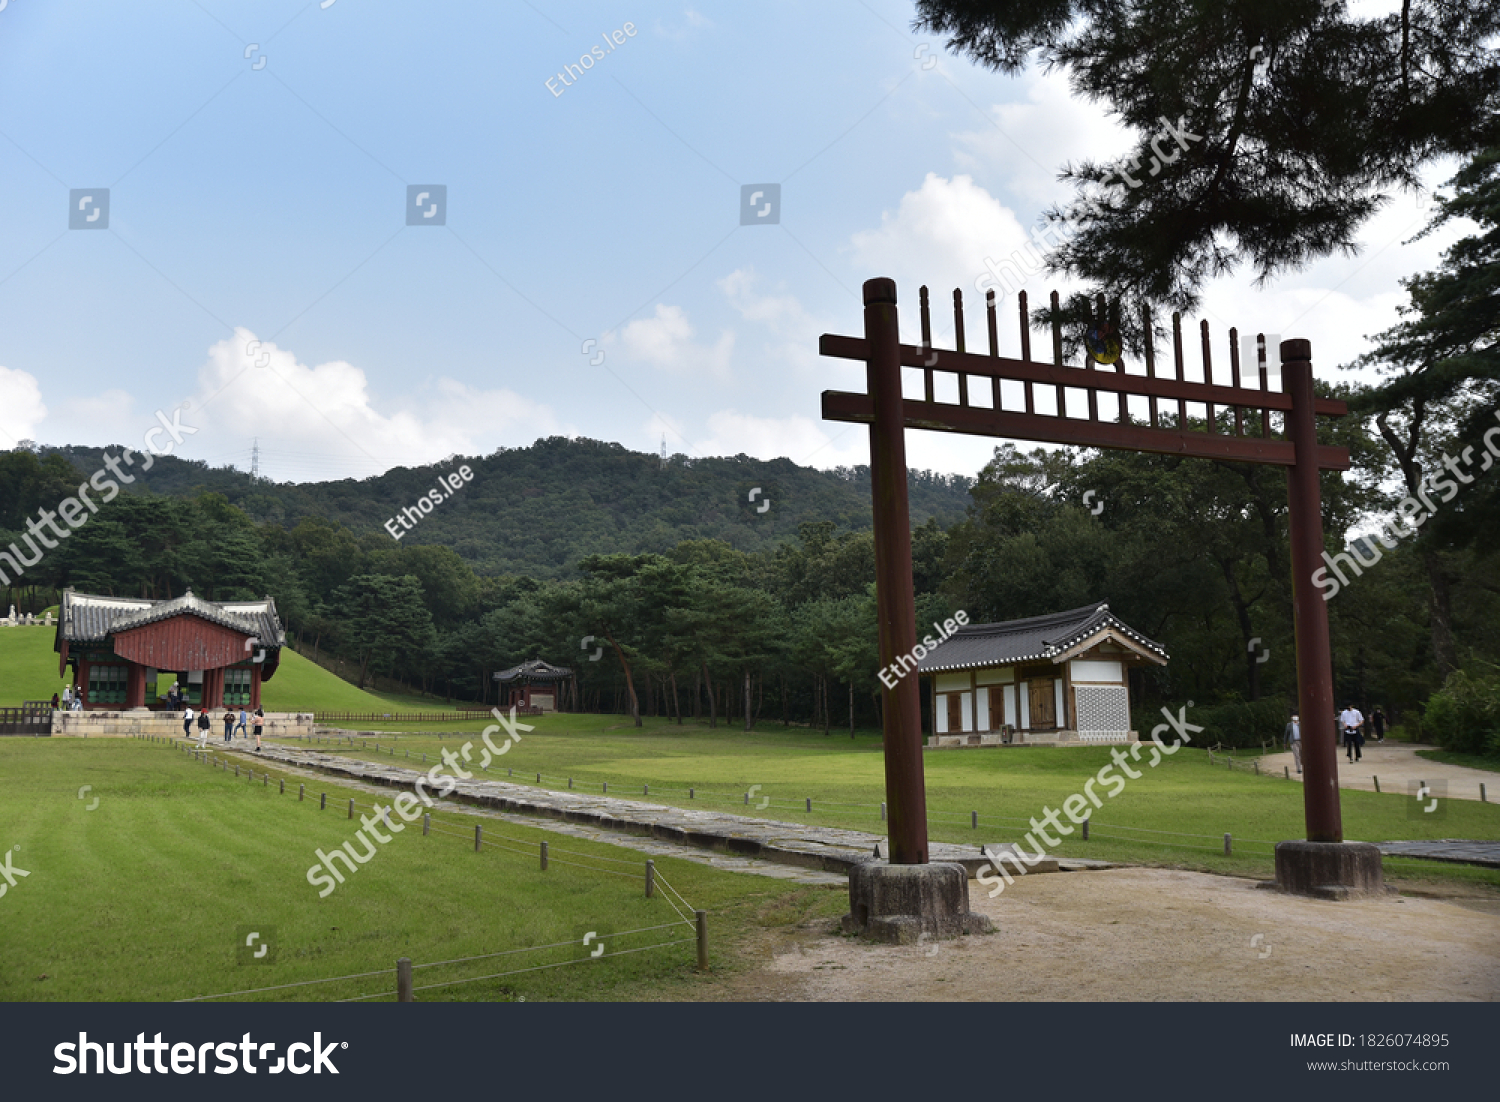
point(1320, 790)
point(896, 607)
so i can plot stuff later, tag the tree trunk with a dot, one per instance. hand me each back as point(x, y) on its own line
point(713, 709)
point(785, 719)
point(676, 700)
point(851, 709)
point(1441, 612)
point(827, 707)
point(747, 698)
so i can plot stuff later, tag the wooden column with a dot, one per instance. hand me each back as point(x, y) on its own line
point(255, 685)
point(135, 686)
point(1320, 790)
point(895, 599)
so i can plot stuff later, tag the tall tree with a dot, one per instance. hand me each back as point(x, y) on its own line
point(1281, 125)
point(1442, 384)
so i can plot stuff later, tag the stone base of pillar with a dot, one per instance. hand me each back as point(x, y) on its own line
point(1329, 870)
point(899, 903)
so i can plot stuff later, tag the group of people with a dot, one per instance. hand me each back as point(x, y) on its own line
point(232, 723)
point(70, 701)
point(1350, 727)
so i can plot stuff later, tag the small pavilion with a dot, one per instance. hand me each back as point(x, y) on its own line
point(126, 652)
point(1046, 680)
point(534, 684)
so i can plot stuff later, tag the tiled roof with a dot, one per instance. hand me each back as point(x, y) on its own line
point(1034, 639)
point(535, 670)
point(84, 617)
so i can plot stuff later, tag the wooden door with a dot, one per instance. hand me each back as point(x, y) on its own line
point(997, 707)
point(955, 713)
point(1043, 703)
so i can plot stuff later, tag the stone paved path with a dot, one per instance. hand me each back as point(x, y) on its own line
point(743, 842)
point(1448, 849)
point(1397, 766)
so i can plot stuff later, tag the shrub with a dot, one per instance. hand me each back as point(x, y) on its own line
point(1238, 725)
point(1464, 715)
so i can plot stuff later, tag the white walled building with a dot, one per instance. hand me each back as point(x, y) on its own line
point(1045, 680)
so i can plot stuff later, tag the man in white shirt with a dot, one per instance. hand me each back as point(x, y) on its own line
point(1294, 740)
point(1351, 720)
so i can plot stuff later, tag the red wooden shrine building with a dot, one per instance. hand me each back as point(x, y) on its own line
point(127, 652)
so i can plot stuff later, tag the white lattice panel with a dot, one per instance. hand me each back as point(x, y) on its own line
point(1103, 712)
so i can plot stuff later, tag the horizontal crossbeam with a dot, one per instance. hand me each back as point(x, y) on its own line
point(1146, 386)
point(977, 421)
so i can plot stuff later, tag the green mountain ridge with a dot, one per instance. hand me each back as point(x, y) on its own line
point(536, 510)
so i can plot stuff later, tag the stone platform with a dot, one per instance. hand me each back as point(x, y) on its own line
point(129, 722)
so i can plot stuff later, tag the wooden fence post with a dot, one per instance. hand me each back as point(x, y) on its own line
point(973, 820)
point(544, 856)
point(403, 980)
point(301, 792)
point(1376, 779)
point(426, 824)
point(1085, 829)
point(650, 878)
point(702, 917)
point(1227, 844)
point(478, 836)
point(351, 807)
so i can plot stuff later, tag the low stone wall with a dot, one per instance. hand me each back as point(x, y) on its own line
point(1034, 738)
point(126, 723)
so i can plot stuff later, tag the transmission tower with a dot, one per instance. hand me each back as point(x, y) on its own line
point(255, 460)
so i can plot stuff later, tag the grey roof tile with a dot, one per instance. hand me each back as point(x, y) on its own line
point(1036, 638)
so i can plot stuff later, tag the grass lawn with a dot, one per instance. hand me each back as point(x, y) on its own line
point(1176, 813)
point(28, 671)
point(1472, 761)
point(145, 897)
point(28, 666)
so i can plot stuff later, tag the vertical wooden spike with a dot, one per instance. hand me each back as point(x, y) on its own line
point(989, 317)
point(926, 346)
point(1096, 318)
point(1234, 377)
point(1114, 320)
point(1057, 347)
point(1265, 383)
point(1208, 371)
point(1146, 335)
point(958, 336)
point(1177, 359)
point(1026, 348)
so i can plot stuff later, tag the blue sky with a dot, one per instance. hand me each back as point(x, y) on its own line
point(258, 154)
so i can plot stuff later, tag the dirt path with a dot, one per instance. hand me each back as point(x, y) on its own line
point(1155, 934)
point(1397, 764)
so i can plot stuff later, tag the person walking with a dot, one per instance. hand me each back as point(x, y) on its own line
point(1377, 723)
point(239, 727)
point(187, 721)
point(260, 716)
point(228, 725)
point(1294, 740)
point(54, 702)
point(204, 723)
point(1351, 721)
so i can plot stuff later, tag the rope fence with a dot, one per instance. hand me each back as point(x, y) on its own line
point(1230, 845)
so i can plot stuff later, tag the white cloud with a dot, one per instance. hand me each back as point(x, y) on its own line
point(21, 408)
point(665, 340)
point(1032, 137)
point(322, 422)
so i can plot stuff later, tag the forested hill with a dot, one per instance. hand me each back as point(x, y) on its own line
point(537, 510)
